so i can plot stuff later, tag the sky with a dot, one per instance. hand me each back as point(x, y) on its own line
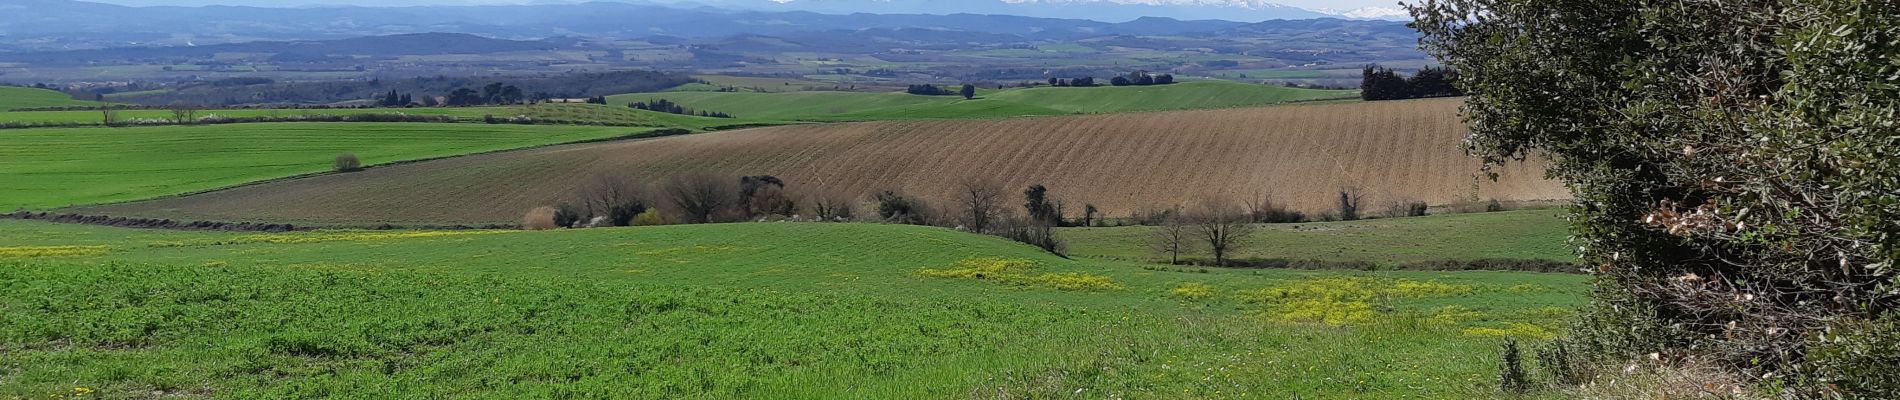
point(1355, 8)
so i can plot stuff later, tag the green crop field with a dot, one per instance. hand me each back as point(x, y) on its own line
point(20, 97)
point(764, 310)
point(556, 113)
point(57, 167)
point(1516, 235)
point(858, 106)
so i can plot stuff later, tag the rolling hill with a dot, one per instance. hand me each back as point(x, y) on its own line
point(860, 106)
point(13, 97)
point(57, 167)
point(1299, 155)
point(724, 311)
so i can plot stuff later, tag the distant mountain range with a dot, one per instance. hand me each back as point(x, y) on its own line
point(1100, 10)
point(42, 25)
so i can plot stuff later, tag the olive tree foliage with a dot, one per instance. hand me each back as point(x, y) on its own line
point(1736, 166)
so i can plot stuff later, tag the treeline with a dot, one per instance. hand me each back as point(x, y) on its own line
point(1142, 78)
point(1380, 83)
point(668, 106)
point(474, 90)
point(980, 206)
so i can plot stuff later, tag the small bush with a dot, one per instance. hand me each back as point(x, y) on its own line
point(539, 219)
point(348, 163)
point(567, 216)
point(899, 209)
point(652, 217)
point(1511, 376)
point(1859, 356)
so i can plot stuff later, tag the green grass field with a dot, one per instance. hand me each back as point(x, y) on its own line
point(769, 310)
point(1518, 235)
point(57, 167)
point(858, 106)
point(21, 97)
point(558, 113)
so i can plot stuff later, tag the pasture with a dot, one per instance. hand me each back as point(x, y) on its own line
point(1299, 155)
point(777, 310)
point(1535, 235)
point(12, 97)
point(58, 167)
point(556, 113)
point(990, 103)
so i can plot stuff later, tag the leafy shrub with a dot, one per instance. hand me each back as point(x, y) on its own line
point(567, 216)
point(348, 163)
point(652, 217)
point(899, 209)
point(1859, 357)
point(1511, 377)
point(1735, 165)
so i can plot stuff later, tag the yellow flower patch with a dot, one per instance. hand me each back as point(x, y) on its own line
point(50, 251)
point(1193, 291)
point(1020, 272)
point(1515, 330)
point(1343, 300)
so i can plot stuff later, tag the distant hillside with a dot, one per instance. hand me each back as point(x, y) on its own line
point(1299, 155)
point(62, 21)
point(13, 97)
point(391, 45)
point(254, 91)
point(858, 106)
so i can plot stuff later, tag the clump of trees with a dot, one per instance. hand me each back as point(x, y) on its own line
point(930, 90)
point(670, 107)
point(1380, 83)
point(981, 202)
point(1736, 168)
point(1076, 82)
point(1142, 78)
point(393, 99)
point(496, 93)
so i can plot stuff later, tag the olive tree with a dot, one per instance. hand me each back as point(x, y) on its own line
point(1736, 169)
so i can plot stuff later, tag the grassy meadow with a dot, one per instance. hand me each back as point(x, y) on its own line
point(56, 167)
point(12, 97)
point(764, 310)
point(1514, 235)
point(555, 112)
point(990, 103)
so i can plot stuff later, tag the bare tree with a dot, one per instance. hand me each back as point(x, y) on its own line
point(981, 199)
point(700, 198)
point(1222, 225)
point(184, 114)
point(833, 206)
point(615, 198)
point(1350, 199)
point(1173, 236)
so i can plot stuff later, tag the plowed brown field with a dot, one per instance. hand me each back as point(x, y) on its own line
point(1301, 155)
